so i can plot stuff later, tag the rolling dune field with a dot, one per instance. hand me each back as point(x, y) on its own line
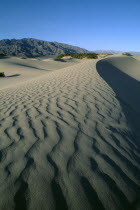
point(69, 134)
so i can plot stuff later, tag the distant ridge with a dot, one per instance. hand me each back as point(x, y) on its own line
point(29, 47)
point(115, 52)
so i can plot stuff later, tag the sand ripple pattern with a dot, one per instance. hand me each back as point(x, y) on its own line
point(66, 144)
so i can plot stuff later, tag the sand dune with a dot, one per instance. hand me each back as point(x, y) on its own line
point(67, 140)
point(123, 75)
point(126, 64)
point(18, 70)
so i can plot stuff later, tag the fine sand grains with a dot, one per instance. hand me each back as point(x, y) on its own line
point(65, 143)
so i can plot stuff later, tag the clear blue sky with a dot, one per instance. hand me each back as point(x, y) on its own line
point(104, 24)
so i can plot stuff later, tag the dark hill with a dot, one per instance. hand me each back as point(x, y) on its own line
point(35, 48)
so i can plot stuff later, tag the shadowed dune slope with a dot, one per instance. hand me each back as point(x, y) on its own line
point(66, 143)
point(123, 75)
point(126, 64)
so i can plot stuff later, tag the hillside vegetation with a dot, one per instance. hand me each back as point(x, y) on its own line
point(79, 56)
point(2, 74)
point(127, 54)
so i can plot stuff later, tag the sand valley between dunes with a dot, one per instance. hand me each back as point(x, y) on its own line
point(70, 134)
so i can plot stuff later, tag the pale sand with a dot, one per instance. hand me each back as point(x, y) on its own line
point(19, 70)
point(67, 140)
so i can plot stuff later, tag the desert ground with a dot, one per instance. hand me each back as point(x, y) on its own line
point(70, 134)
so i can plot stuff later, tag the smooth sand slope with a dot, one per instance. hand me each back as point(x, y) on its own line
point(67, 141)
point(19, 70)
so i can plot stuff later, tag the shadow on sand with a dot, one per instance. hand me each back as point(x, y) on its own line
point(127, 92)
point(28, 66)
point(60, 60)
point(14, 75)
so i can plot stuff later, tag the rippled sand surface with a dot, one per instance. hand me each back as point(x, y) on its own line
point(67, 139)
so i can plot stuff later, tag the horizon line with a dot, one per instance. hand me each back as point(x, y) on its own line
point(71, 45)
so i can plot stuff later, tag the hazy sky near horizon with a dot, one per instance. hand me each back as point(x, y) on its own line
point(104, 24)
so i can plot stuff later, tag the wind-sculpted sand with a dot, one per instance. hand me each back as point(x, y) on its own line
point(67, 143)
point(18, 70)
